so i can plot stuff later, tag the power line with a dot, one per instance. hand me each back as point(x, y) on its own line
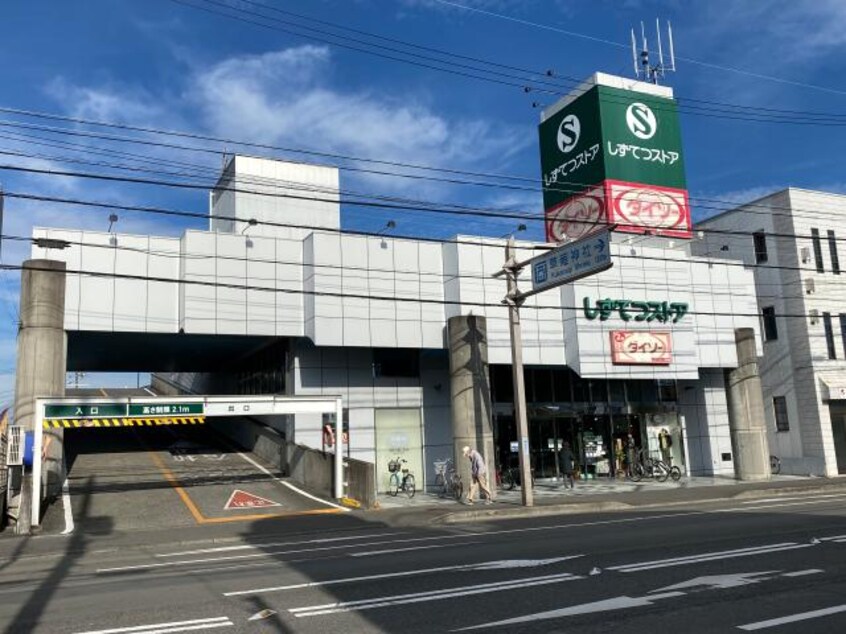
point(625, 46)
point(574, 187)
point(304, 292)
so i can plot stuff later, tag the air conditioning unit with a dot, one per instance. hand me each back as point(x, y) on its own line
point(15, 446)
point(805, 253)
point(809, 286)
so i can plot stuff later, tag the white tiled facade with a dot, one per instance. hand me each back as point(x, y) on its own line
point(338, 296)
point(796, 365)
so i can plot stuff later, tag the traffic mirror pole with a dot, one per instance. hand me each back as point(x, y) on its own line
point(514, 300)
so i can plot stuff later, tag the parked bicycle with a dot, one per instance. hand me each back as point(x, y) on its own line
point(397, 483)
point(509, 477)
point(448, 480)
point(646, 467)
point(775, 465)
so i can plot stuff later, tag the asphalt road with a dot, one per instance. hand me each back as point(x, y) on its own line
point(772, 565)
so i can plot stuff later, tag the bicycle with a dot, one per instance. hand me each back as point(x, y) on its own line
point(645, 467)
point(405, 484)
point(509, 477)
point(775, 465)
point(448, 480)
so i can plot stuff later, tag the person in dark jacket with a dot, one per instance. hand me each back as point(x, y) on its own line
point(567, 461)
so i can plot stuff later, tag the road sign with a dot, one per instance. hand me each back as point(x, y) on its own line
point(243, 500)
point(571, 261)
point(85, 410)
point(166, 409)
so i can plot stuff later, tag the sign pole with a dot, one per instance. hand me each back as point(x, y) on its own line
point(37, 443)
point(514, 302)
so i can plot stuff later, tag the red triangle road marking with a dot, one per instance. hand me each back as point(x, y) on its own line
point(243, 500)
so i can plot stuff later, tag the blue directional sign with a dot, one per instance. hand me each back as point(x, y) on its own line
point(571, 261)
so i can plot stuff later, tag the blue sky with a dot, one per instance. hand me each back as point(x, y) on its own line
point(162, 64)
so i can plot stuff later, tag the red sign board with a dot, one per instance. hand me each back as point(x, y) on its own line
point(641, 347)
point(243, 500)
point(632, 207)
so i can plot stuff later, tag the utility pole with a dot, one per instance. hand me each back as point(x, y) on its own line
point(515, 300)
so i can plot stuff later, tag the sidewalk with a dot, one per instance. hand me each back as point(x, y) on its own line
point(592, 496)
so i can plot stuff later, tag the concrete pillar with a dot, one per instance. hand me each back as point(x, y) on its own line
point(470, 393)
point(42, 360)
point(746, 411)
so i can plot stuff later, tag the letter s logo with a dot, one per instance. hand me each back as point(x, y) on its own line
point(641, 121)
point(568, 133)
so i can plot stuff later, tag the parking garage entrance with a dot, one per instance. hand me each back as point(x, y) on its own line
point(177, 460)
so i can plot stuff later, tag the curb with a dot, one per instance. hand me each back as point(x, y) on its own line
point(581, 508)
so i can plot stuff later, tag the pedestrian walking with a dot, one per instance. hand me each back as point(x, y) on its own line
point(567, 460)
point(479, 475)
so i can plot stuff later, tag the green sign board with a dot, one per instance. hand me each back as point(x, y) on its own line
point(614, 156)
point(639, 311)
point(85, 410)
point(166, 409)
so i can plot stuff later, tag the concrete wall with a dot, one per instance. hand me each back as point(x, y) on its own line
point(794, 365)
point(705, 409)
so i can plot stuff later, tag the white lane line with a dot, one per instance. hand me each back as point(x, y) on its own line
point(832, 538)
point(774, 506)
point(803, 573)
point(269, 553)
point(391, 551)
point(420, 597)
point(66, 504)
point(790, 498)
point(707, 557)
point(793, 618)
point(718, 552)
point(489, 565)
point(217, 621)
point(220, 549)
point(291, 486)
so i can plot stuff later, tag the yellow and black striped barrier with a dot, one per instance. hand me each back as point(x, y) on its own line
point(69, 423)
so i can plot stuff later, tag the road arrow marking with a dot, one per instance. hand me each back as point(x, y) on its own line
point(718, 582)
point(490, 565)
point(606, 605)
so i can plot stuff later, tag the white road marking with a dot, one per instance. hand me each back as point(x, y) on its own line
point(66, 504)
point(606, 605)
point(775, 506)
point(291, 486)
point(491, 565)
point(788, 499)
point(832, 538)
point(391, 551)
point(720, 582)
point(435, 595)
point(793, 618)
point(713, 556)
point(803, 573)
point(173, 626)
point(325, 540)
point(269, 553)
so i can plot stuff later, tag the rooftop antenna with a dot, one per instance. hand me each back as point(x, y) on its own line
point(653, 72)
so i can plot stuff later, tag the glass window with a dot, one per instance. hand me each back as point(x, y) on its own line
point(815, 238)
point(760, 240)
point(832, 249)
point(667, 391)
point(780, 408)
point(770, 326)
point(561, 385)
point(542, 379)
point(829, 336)
point(502, 382)
point(396, 362)
point(599, 391)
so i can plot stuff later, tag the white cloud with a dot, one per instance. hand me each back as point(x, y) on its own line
point(285, 98)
